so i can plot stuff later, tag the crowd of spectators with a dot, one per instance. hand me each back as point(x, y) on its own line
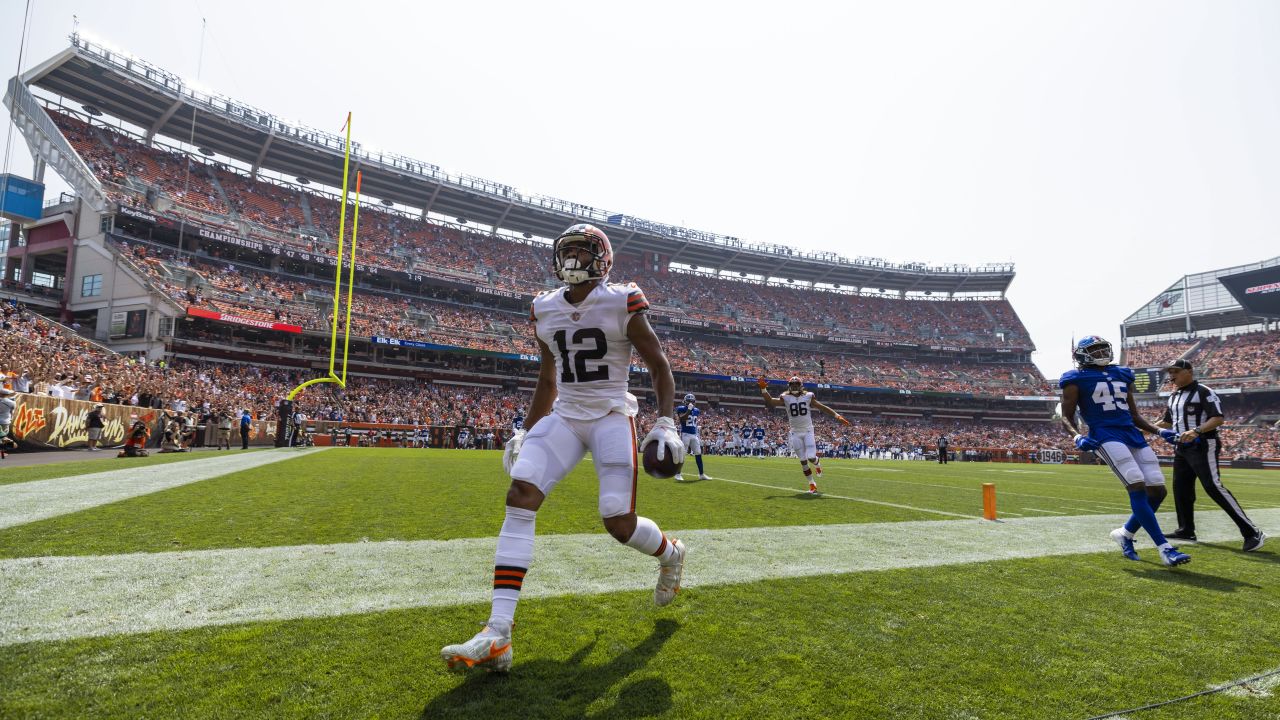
point(404, 242)
point(1240, 356)
point(401, 241)
point(885, 431)
point(242, 291)
point(1155, 354)
point(42, 357)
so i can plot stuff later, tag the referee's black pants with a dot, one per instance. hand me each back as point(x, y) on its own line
point(942, 455)
point(1201, 461)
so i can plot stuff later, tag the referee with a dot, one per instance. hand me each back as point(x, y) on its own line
point(1191, 422)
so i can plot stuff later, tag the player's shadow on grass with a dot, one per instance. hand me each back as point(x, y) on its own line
point(1191, 577)
point(562, 689)
point(801, 495)
point(1264, 555)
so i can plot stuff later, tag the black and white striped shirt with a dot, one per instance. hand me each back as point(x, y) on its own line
point(1191, 406)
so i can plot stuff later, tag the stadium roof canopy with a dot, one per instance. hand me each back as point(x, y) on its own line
point(1194, 303)
point(162, 103)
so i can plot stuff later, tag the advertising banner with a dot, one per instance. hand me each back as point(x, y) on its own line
point(237, 320)
point(41, 422)
point(1257, 291)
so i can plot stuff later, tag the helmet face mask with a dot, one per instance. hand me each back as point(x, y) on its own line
point(569, 250)
point(1092, 351)
point(689, 399)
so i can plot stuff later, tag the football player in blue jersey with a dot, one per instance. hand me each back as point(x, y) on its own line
point(1100, 391)
point(757, 441)
point(688, 417)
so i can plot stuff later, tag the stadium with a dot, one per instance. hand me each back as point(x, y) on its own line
point(196, 276)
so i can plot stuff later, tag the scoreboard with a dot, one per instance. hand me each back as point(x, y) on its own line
point(1147, 380)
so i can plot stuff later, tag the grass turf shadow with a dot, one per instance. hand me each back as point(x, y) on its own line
point(1191, 577)
point(563, 689)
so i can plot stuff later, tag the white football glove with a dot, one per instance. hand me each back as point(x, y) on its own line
point(511, 450)
point(664, 432)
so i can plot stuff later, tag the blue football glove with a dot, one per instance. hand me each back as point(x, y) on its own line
point(1169, 436)
point(1084, 442)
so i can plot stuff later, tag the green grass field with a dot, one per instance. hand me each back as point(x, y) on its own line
point(323, 586)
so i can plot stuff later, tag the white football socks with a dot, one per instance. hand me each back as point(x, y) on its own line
point(649, 540)
point(515, 553)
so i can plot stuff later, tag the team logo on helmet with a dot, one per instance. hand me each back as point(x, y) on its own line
point(566, 254)
point(689, 399)
point(1092, 351)
point(795, 384)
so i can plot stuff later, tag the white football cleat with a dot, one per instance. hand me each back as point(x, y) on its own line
point(679, 477)
point(489, 649)
point(669, 576)
point(703, 476)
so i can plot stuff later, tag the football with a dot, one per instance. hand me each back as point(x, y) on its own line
point(661, 469)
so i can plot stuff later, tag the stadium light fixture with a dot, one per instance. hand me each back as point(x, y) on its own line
point(528, 236)
point(92, 110)
point(302, 180)
point(387, 202)
point(206, 152)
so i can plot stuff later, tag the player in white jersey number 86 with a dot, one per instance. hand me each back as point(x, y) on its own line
point(798, 402)
point(586, 332)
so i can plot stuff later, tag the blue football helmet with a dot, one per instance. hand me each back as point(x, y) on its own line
point(1092, 350)
point(689, 399)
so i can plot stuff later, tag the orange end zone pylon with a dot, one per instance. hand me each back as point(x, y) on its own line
point(988, 501)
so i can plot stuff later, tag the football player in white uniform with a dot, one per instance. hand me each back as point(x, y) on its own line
point(586, 332)
point(799, 402)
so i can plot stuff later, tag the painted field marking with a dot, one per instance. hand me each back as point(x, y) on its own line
point(22, 503)
point(855, 499)
point(57, 598)
point(1002, 492)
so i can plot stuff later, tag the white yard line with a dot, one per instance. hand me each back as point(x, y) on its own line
point(998, 491)
point(855, 499)
point(22, 503)
point(1046, 512)
point(57, 598)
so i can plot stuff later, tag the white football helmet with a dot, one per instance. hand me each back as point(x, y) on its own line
point(565, 254)
point(689, 399)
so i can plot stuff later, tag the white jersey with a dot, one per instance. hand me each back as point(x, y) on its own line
point(798, 411)
point(593, 353)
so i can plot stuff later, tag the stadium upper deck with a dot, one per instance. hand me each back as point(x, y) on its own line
point(161, 103)
point(1196, 304)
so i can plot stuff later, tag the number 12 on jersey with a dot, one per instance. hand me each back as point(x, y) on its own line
point(579, 372)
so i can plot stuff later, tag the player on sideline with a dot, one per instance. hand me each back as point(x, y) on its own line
point(585, 332)
point(798, 402)
point(688, 416)
point(1101, 390)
